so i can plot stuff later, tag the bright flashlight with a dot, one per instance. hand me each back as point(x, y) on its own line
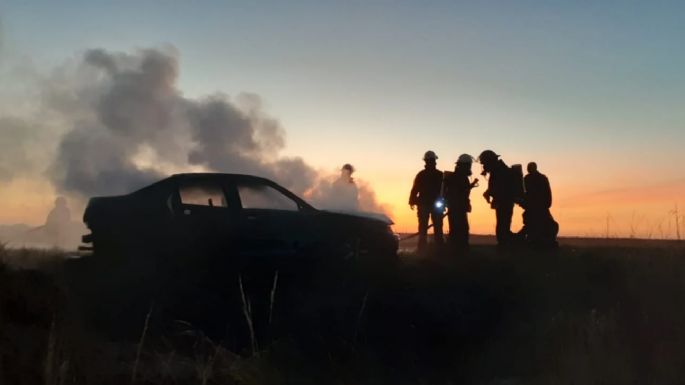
point(439, 204)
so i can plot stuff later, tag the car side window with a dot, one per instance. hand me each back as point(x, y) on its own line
point(202, 194)
point(260, 196)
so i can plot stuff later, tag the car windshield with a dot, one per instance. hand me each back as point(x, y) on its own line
point(260, 196)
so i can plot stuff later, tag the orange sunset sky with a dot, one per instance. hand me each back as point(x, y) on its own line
point(594, 93)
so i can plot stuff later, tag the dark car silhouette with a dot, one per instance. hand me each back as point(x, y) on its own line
point(231, 213)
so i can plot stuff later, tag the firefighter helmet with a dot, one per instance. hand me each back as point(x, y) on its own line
point(348, 167)
point(430, 155)
point(488, 156)
point(465, 159)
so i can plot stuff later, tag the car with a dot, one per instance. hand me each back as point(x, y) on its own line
point(240, 215)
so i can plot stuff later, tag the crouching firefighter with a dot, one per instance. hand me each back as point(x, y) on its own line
point(505, 187)
point(539, 227)
point(457, 190)
point(425, 195)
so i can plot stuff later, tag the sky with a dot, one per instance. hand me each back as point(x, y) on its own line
point(591, 91)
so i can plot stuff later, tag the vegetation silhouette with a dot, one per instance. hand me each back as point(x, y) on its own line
point(582, 314)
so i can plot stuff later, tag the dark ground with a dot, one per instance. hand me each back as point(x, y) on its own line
point(591, 313)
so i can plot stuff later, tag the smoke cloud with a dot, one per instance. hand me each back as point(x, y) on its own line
point(14, 137)
point(123, 123)
point(330, 193)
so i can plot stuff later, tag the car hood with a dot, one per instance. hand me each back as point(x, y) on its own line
point(364, 214)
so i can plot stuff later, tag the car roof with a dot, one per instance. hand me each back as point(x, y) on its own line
point(201, 175)
point(194, 175)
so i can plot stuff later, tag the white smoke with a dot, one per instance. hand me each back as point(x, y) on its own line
point(121, 123)
point(335, 193)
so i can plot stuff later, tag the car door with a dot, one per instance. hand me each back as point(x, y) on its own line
point(272, 223)
point(205, 213)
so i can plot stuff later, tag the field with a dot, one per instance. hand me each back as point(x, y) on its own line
point(593, 312)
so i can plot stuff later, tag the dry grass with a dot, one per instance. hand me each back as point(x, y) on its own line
point(33, 259)
point(584, 315)
point(247, 312)
point(141, 343)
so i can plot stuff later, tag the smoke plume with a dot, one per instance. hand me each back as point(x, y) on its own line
point(14, 137)
point(124, 124)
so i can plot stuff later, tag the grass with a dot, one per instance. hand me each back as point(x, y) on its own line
point(585, 314)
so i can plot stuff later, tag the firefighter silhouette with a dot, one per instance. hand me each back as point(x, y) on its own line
point(456, 191)
point(501, 193)
point(425, 195)
point(539, 227)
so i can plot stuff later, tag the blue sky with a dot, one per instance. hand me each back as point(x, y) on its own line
point(583, 87)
